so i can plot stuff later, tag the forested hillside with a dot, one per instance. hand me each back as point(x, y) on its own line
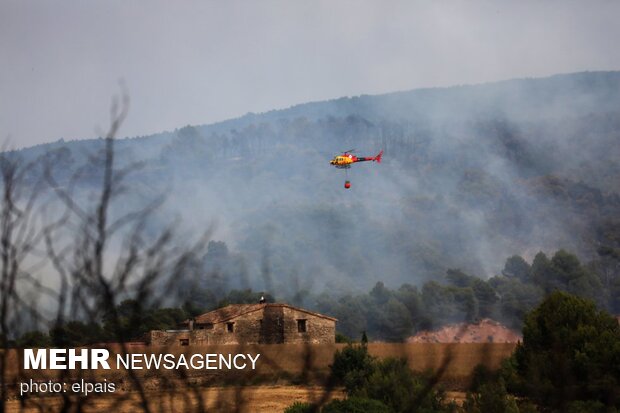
point(471, 175)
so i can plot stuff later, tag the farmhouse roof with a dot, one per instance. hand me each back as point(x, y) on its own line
point(233, 311)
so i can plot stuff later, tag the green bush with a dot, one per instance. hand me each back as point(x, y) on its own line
point(356, 405)
point(299, 407)
point(480, 376)
point(34, 339)
point(590, 406)
point(490, 397)
point(352, 366)
point(526, 406)
point(393, 383)
point(389, 381)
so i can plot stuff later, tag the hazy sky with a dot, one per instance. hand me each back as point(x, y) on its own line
point(195, 62)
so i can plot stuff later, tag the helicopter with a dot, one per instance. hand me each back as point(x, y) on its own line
point(346, 159)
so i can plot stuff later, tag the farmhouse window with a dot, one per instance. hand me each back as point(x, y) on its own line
point(301, 326)
point(230, 327)
point(184, 341)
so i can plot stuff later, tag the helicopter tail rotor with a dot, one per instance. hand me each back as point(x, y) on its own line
point(378, 157)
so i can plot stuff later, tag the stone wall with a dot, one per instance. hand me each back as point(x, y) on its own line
point(273, 324)
point(272, 330)
point(166, 338)
point(318, 329)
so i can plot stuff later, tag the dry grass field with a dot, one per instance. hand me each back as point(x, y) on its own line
point(459, 359)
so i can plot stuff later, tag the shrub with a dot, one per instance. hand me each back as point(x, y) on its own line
point(34, 339)
point(299, 407)
point(591, 406)
point(389, 381)
point(352, 366)
point(394, 384)
point(490, 397)
point(356, 405)
point(480, 376)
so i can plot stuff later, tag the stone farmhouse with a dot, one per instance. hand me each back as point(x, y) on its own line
point(266, 323)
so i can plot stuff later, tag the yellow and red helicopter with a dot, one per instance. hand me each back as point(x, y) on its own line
point(346, 159)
